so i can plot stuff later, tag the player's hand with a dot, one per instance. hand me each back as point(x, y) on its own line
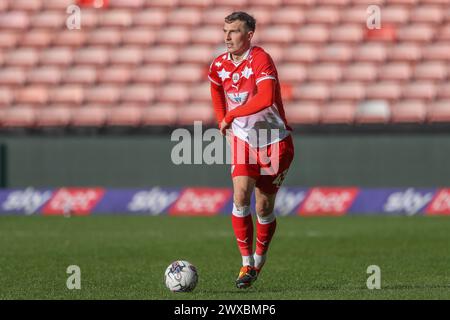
point(224, 126)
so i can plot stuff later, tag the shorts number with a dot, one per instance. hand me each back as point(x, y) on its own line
point(279, 179)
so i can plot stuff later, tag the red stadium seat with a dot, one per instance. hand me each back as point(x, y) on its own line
point(84, 75)
point(153, 73)
point(437, 51)
point(351, 33)
point(395, 71)
point(91, 56)
point(370, 52)
point(299, 2)
point(150, 18)
point(14, 20)
point(32, 95)
point(443, 33)
point(102, 94)
point(277, 34)
point(291, 72)
point(189, 73)
point(288, 15)
point(444, 90)
point(189, 17)
point(337, 52)
point(408, 111)
point(159, 114)
point(138, 36)
point(201, 54)
point(48, 75)
point(190, 113)
point(275, 51)
point(313, 33)
point(360, 71)
point(338, 112)
point(322, 15)
point(22, 57)
point(104, 37)
point(405, 52)
point(439, 111)
point(299, 112)
point(263, 15)
point(348, 91)
point(173, 93)
point(427, 14)
point(129, 4)
point(67, 94)
point(161, 54)
point(125, 115)
point(37, 38)
point(56, 116)
point(432, 70)
point(114, 75)
point(200, 92)
point(138, 93)
point(300, 53)
point(69, 38)
point(57, 4)
point(385, 90)
point(416, 32)
point(12, 76)
point(8, 39)
point(130, 56)
point(25, 5)
point(387, 33)
point(167, 4)
point(216, 16)
point(394, 14)
point(406, 2)
point(207, 35)
point(6, 97)
point(119, 18)
point(339, 3)
point(232, 3)
point(89, 116)
point(420, 90)
point(58, 56)
point(174, 35)
point(315, 91)
point(19, 116)
point(375, 111)
point(355, 14)
point(89, 19)
point(324, 72)
point(195, 3)
point(49, 19)
point(268, 3)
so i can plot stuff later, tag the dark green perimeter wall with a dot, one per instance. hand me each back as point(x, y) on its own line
point(143, 161)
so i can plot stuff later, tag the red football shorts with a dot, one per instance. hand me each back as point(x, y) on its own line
point(267, 165)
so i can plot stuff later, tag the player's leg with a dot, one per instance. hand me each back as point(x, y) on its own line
point(241, 218)
point(267, 185)
point(265, 225)
point(243, 228)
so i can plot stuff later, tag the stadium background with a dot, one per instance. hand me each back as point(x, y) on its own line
point(95, 107)
point(85, 123)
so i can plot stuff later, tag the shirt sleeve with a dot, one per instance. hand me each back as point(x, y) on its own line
point(213, 76)
point(265, 68)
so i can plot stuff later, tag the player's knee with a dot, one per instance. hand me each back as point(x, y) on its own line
point(241, 198)
point(263, 208)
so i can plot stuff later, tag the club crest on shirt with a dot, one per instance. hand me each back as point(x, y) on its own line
point(238, 97)
point(235, 77)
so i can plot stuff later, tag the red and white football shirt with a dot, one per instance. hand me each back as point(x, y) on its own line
point(239, 82)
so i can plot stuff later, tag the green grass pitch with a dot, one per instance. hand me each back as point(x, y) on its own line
point(124, 257)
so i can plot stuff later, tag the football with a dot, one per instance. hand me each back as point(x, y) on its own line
point(181, 276)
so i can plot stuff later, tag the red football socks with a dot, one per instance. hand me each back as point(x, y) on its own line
point(264, 233)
